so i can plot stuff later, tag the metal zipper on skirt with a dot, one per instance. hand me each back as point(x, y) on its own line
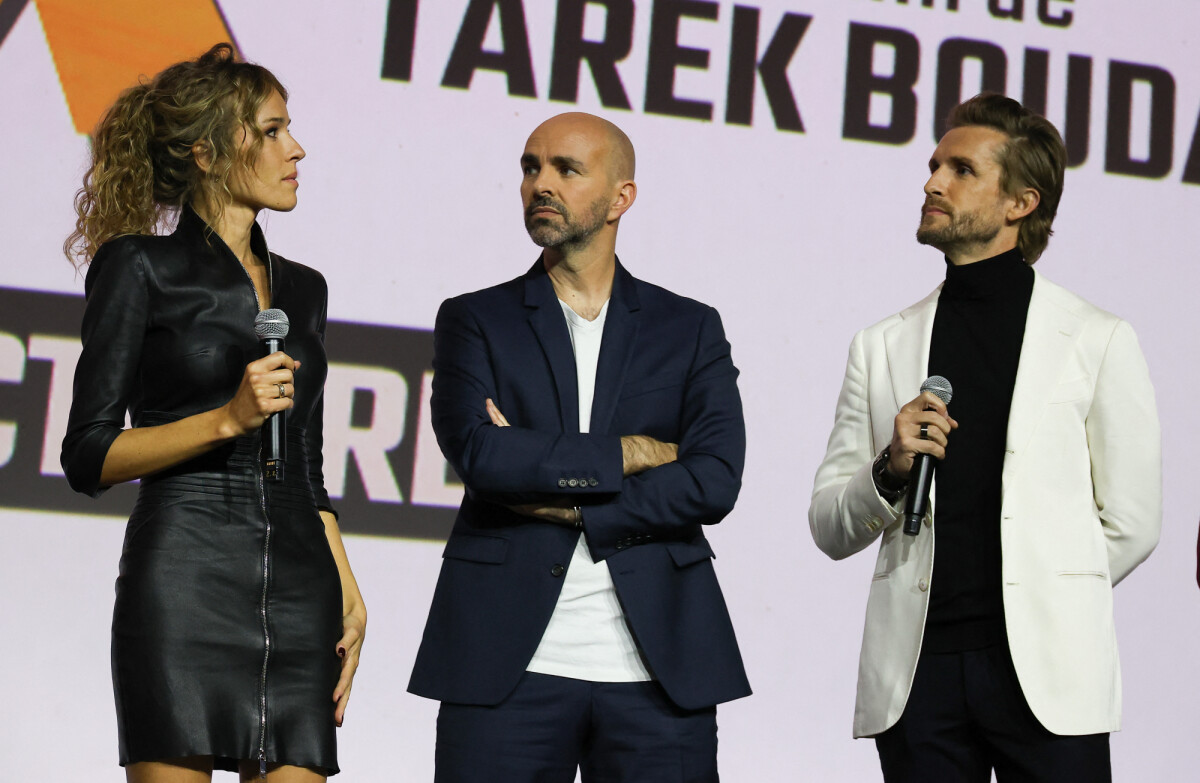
point(266, 573)
point(266, 558)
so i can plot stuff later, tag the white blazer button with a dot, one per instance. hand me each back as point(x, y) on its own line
point(923, 585)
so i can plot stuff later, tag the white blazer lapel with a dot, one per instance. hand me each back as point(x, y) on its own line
point(1050, 332)
point(907, 345)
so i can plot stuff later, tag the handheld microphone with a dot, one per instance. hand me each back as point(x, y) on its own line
point(920, 478)
point(271, 326)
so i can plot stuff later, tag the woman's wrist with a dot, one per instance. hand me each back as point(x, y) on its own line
point(225, 425)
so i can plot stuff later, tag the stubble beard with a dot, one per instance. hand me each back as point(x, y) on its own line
point(569, 232)
point(963, 231)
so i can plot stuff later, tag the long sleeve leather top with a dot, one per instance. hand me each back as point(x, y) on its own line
point(167, 333)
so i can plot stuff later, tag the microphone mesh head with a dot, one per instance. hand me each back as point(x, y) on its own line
point(271, 324)
point(939, 386)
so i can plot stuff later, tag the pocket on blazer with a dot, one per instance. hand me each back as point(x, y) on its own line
point(686, 553)
point(657, 382)
point(1085, 573)
point(1070, 391)
point(477, 549)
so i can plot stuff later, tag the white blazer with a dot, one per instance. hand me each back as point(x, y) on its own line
point(1081, 506)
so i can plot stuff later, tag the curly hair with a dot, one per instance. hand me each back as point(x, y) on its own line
point(143, 167)
point(1033, 157)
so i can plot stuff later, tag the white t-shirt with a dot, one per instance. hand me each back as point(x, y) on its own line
point(587, 637)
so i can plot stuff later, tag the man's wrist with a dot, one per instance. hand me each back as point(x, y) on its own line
point(628, 452)
point(635, 454)
point(889, 486)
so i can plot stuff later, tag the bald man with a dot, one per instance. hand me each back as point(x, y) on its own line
point(595, 420)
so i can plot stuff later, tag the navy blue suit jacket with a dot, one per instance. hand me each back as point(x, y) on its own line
point(664, 371)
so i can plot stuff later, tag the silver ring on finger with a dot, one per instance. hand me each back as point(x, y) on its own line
point(924, 432)
point(282, 389)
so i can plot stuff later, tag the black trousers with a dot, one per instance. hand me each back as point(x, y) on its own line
point(966, 716)
point(612, 732)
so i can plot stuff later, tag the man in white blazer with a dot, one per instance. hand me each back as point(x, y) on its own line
point(1003, 655)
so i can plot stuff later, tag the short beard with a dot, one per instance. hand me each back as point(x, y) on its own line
point(963, 232)
point(570, 233)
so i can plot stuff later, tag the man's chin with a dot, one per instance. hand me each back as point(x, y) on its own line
point(543, 238)
point(931, 238)
point(539, 229)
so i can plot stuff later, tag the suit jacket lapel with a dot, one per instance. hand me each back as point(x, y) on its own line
point(550, 327)
point(1050, 332)
point(907, 344)
point(616, 348)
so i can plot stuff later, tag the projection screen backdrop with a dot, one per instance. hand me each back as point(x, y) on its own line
point(782, 146)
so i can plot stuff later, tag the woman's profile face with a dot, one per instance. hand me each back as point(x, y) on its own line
point(270, 181)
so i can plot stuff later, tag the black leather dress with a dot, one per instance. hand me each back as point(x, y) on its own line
point(228, 605)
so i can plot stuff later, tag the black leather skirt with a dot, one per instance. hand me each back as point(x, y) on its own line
point(228, 612)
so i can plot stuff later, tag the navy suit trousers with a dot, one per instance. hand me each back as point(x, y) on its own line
point(612, 732)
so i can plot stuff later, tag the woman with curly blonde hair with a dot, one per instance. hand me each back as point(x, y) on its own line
point(238, 623)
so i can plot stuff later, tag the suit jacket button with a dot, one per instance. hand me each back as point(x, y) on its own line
point(562, 482)
point(557, 570)
point(923, 585)
point(573, 483)
point(583, 482)
point(593, 482)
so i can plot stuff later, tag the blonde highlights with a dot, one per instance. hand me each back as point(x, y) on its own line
point(144, 164)
point(1033, 156)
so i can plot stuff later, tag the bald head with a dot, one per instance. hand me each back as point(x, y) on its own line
point(576, 183)
point(605, 138)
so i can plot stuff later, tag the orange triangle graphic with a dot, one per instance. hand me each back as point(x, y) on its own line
point(100, 48)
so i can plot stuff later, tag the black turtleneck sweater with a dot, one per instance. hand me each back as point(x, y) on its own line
point(976, 345)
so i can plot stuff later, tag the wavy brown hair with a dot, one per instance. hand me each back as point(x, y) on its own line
point(144, 167)
point(1033, 157)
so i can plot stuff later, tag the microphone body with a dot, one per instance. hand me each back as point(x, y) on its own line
point(271, 326)
point(920, 478)
point(916, 502)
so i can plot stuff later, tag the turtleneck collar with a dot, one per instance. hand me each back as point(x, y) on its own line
point(999, 277)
